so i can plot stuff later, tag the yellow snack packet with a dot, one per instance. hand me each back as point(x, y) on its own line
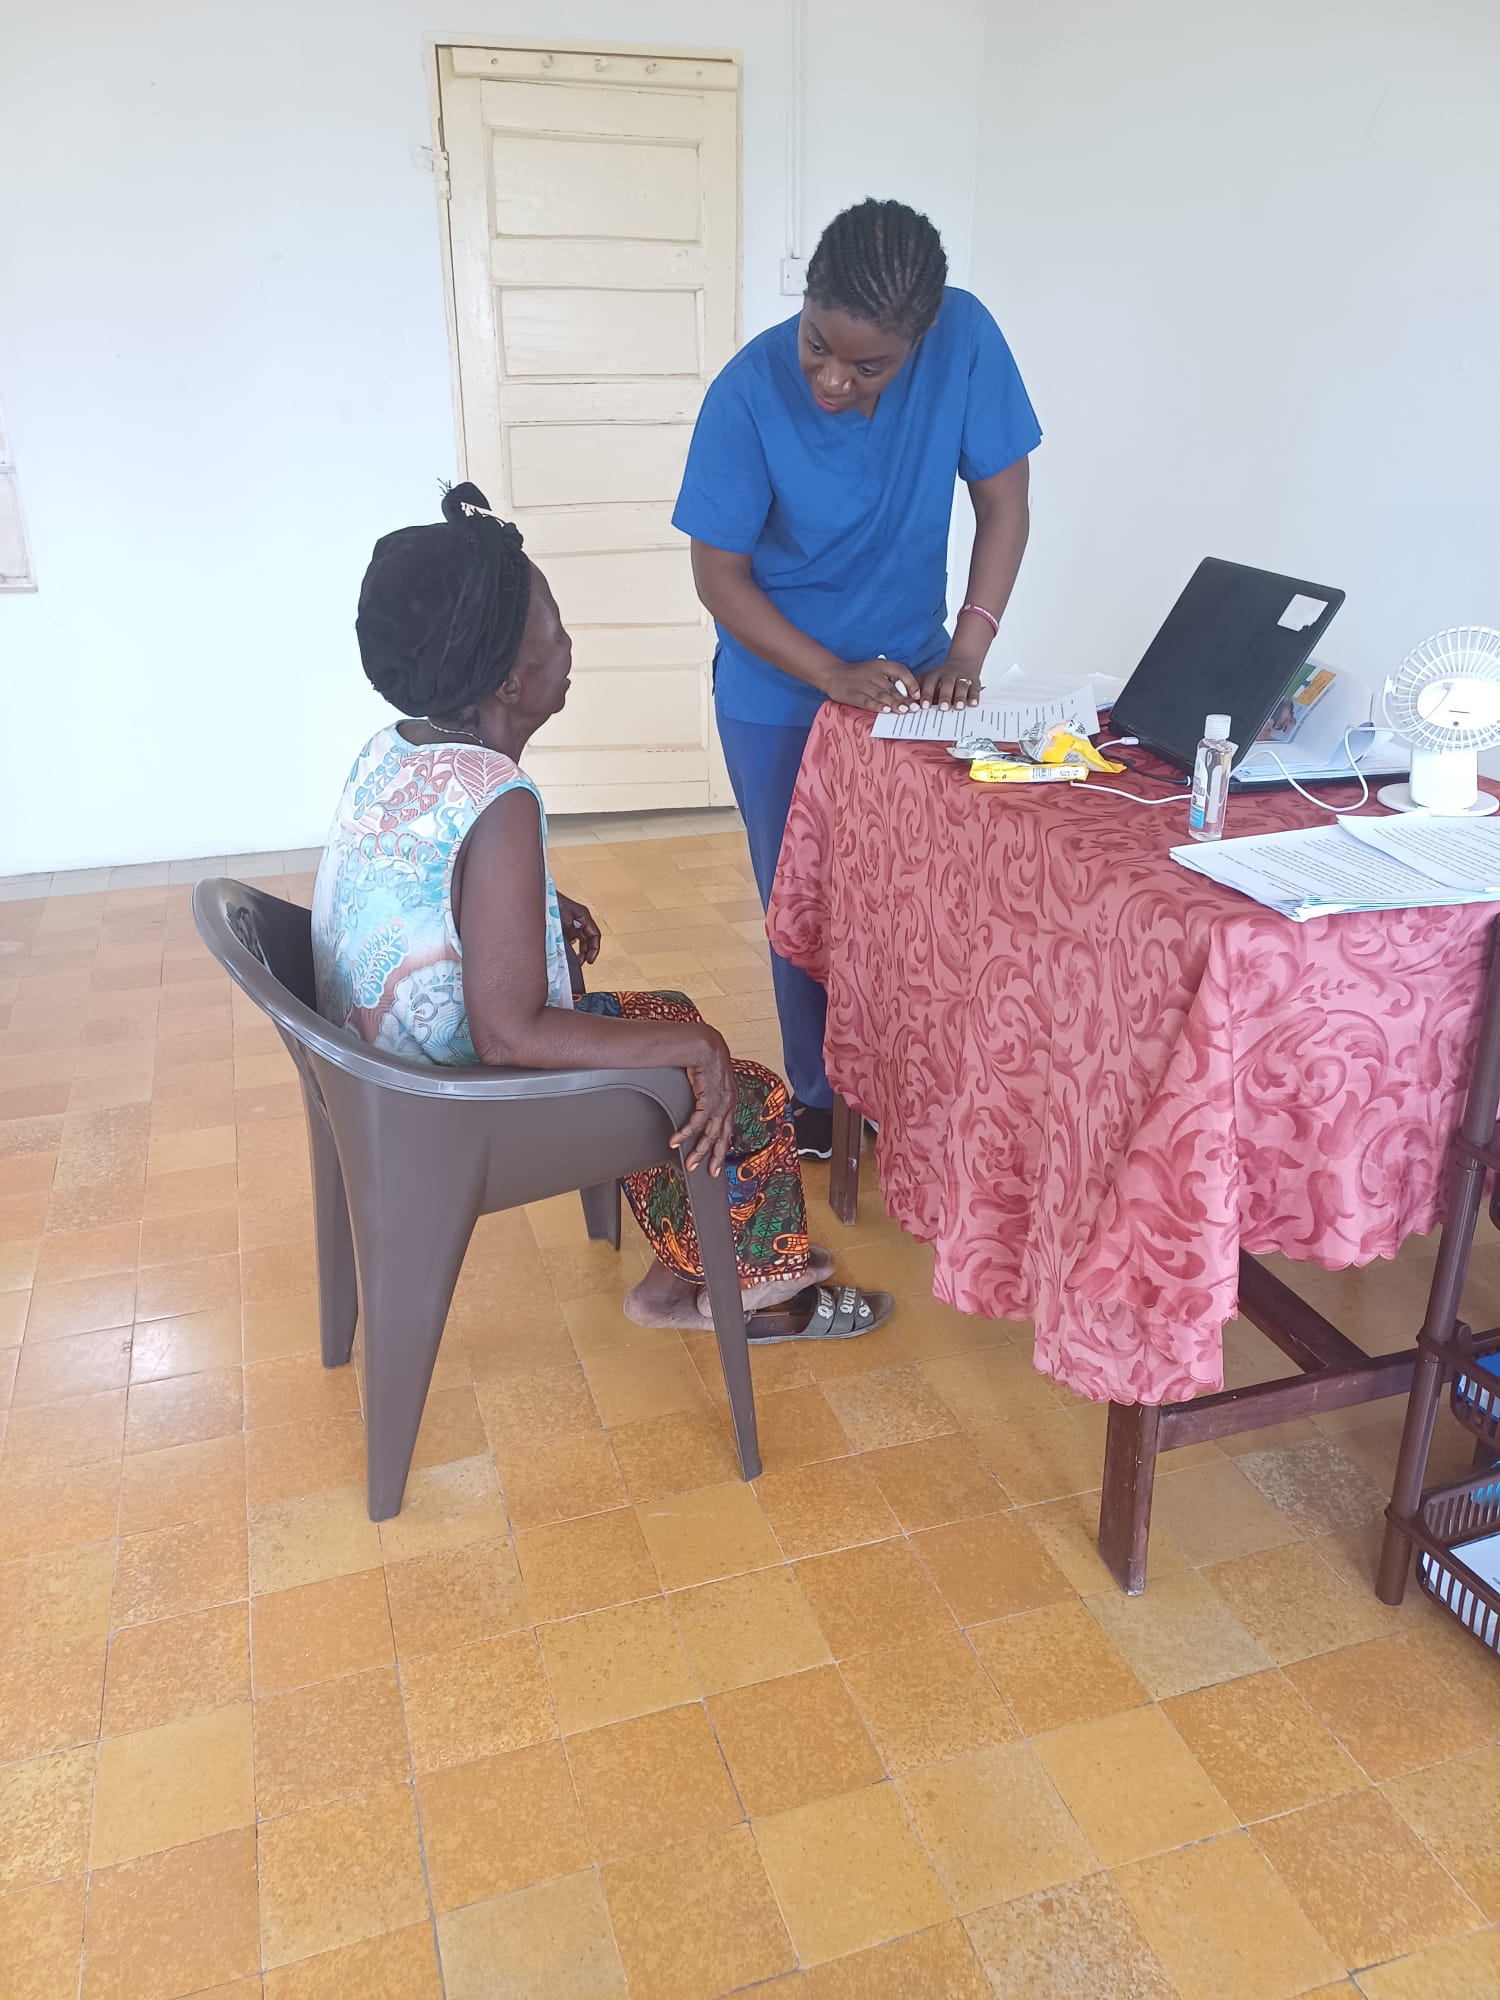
point(1060, 746)
point(1019, 771)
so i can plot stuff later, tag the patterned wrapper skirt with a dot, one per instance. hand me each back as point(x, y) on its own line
point(764, 1174)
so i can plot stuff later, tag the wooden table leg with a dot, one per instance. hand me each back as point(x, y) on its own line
point(1125, 1506)
point(843, 1169)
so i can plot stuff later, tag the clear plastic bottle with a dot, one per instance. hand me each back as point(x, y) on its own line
point(1211, 768)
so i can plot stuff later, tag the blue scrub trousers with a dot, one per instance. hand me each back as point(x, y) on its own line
point(764, 759)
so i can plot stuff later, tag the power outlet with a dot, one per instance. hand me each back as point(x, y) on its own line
point(793, 277)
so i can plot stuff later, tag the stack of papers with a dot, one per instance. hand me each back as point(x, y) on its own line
point(1004, 715)
point(1403, 863)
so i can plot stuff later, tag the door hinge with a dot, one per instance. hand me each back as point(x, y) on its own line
point(435, 160)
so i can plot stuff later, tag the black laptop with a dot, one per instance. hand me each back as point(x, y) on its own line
point(1235, 643)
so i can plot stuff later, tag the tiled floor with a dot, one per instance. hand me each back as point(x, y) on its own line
point(591, 1718)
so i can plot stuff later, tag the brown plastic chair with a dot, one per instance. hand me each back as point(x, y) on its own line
point(406, 1157)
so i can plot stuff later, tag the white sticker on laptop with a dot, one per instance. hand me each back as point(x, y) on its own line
point(1302, 612)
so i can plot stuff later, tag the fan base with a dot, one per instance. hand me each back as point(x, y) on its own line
point(1399, 799)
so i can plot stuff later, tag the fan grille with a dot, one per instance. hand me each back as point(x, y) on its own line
point(1466, 653)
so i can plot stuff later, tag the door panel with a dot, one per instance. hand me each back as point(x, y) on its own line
point(593, 225)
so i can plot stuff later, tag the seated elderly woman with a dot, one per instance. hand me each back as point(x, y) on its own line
point(438, 933)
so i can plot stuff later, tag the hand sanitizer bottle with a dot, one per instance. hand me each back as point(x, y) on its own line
point(1211, 780)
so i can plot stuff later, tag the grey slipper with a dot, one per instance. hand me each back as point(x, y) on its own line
point(820, 1313)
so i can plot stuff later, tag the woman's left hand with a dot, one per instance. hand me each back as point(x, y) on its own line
point(954, 684)
point(579, 927)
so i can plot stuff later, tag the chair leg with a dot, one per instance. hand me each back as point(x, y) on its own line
point(843, 1171)
point(601, 1213)
point(338, 1291)
point(409, 1260)
point(710, 1202)
point(1125, 1507)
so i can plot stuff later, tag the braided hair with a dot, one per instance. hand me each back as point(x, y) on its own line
point(883, 262)
point(443, 607)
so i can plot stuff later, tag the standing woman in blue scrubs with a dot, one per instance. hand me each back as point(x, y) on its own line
point(818, 495)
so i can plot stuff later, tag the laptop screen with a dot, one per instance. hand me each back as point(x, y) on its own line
point(1232, 645)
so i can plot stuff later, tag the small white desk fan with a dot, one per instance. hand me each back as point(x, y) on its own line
point(1444, 700)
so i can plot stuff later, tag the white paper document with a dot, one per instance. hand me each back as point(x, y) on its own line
point(1004, 715)
point(1389, 864)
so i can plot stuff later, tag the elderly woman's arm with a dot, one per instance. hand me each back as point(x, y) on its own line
point(500, 910)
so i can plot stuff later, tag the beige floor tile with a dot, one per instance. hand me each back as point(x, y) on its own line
point(401, 1965)
point(1178, 1635)
point(849, 1873)
point(936, 1962)
point(41, 1939)
point(1468, 1969)
point(995, 1827)
point(50, 1698)
point(1389, 1709)
point(815, 1509)
point(748, 1628)
point(45, 1805)
point(1368, 1884)
point(630, 1388)
point(1262, 1746)
point(316, 1745)
point(1055, 1666)
point(476, 1702)
point(892, 1406)
point(1316, 1486)
point(1455, 1809)
point(797, 1427)
point(311, 1540)
point(314, 1455)
point(55, 1599)
point(1294, 1606)
point(70, 1433)
point(697, 1920)
point(549, 1942)
point(660, 1456)
point(445, 1507)
point(792, 1741)
point(1041, 1455)
point(651, 1782)
point(1223, 1924)
point(936, 1481)
point(295, 1389)
point(82, 1364)
point(1133, 1785)
point(928, 1701)
point(537, 1408)
point(456, 1598)
point(870, 1598)
point(500, 1824)
point(177, 1667)
point(339, 1874)
point(713, 1532)
point(188, 1482)
point(1068, 1530)
point(561, 1481)
point(183, 1921)
point(317, 1631)
point(1073, 1942)
point(166, 1787)
point(197, 1343)
point(44, 1507)
point(991, 1567)
point(611, 1665)
point(585, 1565)
point(187, 1568)
point(1214, 1513)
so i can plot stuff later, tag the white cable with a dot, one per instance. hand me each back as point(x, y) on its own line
point(1364, 784)
point(1114, 791)
point(1109, 743)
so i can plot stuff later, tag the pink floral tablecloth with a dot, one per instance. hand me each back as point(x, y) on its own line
point(1098, 1077)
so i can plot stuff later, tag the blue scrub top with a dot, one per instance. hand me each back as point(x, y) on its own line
point(846, 517)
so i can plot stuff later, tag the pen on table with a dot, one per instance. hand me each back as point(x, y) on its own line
point(901, 688)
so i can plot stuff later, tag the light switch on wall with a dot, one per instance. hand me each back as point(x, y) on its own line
point(793, 277)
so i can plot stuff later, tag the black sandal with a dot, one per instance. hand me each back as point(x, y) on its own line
point(820, 1313)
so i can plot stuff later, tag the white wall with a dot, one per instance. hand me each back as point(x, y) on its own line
point(223, 357)
point(1249, 258)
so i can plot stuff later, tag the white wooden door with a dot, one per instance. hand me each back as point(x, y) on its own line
point(593, 220)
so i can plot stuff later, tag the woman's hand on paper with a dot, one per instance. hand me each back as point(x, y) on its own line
point(881, 685)
point(954, 684)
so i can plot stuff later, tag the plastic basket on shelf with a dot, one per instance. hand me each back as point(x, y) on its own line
point(1475, 1394)
point(1458, 1560)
